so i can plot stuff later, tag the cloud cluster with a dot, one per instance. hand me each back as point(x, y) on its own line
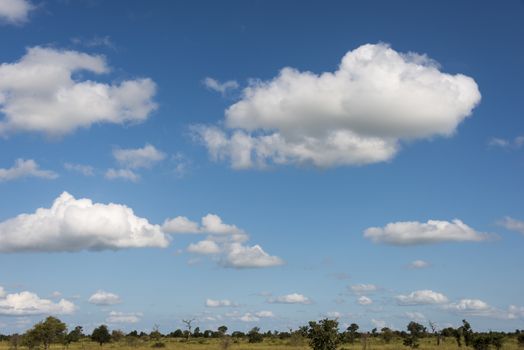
point(224, 241)
point(134, 158)
point(422, 297)
point(515, 143)
point(79, 224)
point(26, 303)
point(43, 92)
point(123, 317)
point(15, 11)
point(293, 298)
point(219, 303)
point(362, 288)
point(432, 231)
point(217, 86)
point(418, 264)
point(25, 168)
point(104, 298)
point(358, 114)
point(364, 300)
point(513, 224)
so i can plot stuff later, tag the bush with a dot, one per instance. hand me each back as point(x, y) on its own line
point(158, 344)
point(323, 335)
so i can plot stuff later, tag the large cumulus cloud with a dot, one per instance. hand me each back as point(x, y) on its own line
point(358, 114)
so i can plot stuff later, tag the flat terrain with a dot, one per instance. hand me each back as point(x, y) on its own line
point(212, 344)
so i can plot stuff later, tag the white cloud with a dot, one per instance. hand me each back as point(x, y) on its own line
point(79, 224)
point(249, 317)
point(334, 314)
point(122, 317)
point(15, 11)
point(211, 224)
point(516, 143)
point(134, 158)
point(415, 316)
point(219, 303)
point(513, 224)
point(56, 294)
point(357, 115)
point(362, 288)
point(418, 264)
point(378, 323)
point(42, 93)
point(125, 174)
point(293, 298)
point(433, 231)
point(224, 241)
point(2, 292)
point(104, 298)
point(217, 86)
point(205, 247)
point(422, 297)
point(86, 170)
point(241, 256)
point(25, 168)
point(477, 307)
point(27, 303)
point(265, 314)
point(364, 300)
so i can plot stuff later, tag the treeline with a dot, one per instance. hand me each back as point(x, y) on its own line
point(322, 335)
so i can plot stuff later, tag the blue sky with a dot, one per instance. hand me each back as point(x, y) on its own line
point(376, 179)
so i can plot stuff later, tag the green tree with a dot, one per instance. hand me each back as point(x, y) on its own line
point(222, 330)
point(467, 332)
point(74, 336)
point(416, 330)
point(352, 332)
point(323, 335)
point(47, 332)
point(101, 335)
point(387, 334)
point(254, 336)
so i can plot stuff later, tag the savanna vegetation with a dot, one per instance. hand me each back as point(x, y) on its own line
point(325, 334)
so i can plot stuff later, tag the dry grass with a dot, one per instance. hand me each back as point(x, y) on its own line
point(216, 344)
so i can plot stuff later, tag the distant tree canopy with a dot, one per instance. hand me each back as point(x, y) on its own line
point(101, 335)
point(323, 335)
point(47, 332)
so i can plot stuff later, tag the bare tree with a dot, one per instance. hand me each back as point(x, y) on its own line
point(189, 326)
point(436, 331)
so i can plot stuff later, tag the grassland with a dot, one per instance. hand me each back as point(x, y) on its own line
point(268, 344)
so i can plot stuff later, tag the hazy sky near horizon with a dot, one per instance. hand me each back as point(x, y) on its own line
point(261, 163)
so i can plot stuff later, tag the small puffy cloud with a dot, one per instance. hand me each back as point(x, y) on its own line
point(79, 224)
point(123, 317)
point(134, 158)
point(334, 314)
point(219, 303)
point(362, 288)
point(224, 241)
point(86, 170)
point(241, 256)
point(43, 92)
point(293, 298)
point(205, 247)
point(515, 143)
point(430, 232)
point(479, 308)
point(415, 316)
point(378, 323)
point(27, 303)
point(2, 292)
point(418, 264)
point(265, 314)
point(25, 168)
point(104, 298)
point(217, 86)
point(422, 297)
point(210, 224)
point(513, 224)
point(358, 114)
point(249, 317)
point(56, 294)
point(364, 300)
point(15, 11)
point(125, 174)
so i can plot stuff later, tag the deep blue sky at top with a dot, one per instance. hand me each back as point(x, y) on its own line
point(312, 218)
